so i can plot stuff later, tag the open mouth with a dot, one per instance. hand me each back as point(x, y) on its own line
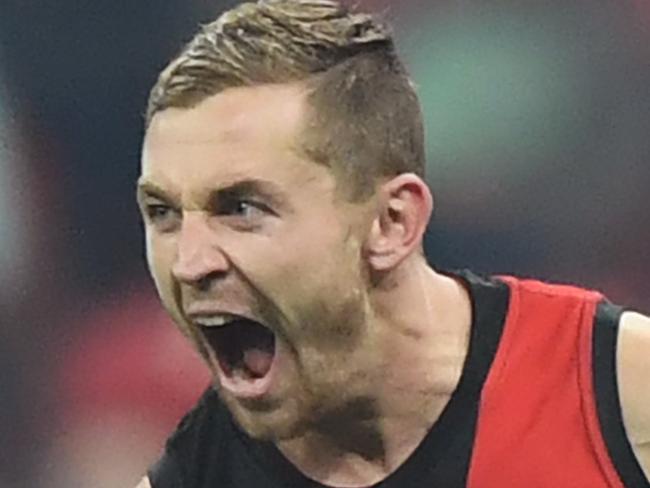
point(244, 348)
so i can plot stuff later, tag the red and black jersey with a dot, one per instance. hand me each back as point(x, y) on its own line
point(537, 406)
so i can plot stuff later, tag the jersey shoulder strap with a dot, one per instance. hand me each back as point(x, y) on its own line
point(538, 422)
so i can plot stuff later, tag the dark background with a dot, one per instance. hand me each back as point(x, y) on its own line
point(537, 119)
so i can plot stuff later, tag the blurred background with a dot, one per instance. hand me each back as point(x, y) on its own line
point(537, 113)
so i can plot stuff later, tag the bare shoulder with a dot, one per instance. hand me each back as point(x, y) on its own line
point(634, 382)
point(643, 455)
point(144, 483)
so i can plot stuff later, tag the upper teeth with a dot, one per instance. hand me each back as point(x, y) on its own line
point(215, 320)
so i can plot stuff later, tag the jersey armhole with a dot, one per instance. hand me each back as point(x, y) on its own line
point(608, 404)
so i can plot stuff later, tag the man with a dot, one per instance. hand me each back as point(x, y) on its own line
point(284, 205)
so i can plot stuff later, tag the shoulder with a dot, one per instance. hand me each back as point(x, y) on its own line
point(633, 372)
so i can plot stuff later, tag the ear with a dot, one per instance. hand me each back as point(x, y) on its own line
point(405, 208)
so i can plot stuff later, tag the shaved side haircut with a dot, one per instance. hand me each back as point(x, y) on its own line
point(363, 119)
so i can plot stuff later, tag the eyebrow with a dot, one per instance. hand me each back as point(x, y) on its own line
point(249, 187)
point(146, 188)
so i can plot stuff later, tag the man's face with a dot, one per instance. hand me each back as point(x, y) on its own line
point(257, 258)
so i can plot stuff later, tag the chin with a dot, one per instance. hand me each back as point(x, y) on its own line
point(269, 424)
point(270, 429)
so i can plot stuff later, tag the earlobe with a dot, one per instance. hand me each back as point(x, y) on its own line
point(380, 248)
point(403, 214)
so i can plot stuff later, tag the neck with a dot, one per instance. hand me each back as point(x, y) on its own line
point(422, 320)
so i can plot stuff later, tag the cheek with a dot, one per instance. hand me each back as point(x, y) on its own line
point(324, 296)
point(160, 258)
point(154, 257)
point(305, 270)
point(160, 255)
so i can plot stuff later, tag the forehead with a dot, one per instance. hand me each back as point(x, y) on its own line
point(250, 132)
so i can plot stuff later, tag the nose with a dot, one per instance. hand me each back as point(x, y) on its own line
point(198, 256)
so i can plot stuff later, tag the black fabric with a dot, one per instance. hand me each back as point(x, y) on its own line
point(608, 405)
point(166, 472)
point(208, 450)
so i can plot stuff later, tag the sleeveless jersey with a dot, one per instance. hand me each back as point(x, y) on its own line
point(536, 406)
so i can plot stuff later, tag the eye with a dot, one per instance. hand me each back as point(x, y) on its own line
point(248, 209)
point(240, 207)
point(156, 212)
point(162, 216)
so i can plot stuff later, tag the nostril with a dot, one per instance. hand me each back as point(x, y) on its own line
point(187, 272)
point(204, 282)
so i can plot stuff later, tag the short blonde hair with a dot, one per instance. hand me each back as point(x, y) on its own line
point(366, 120)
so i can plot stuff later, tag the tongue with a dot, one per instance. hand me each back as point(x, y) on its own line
point(258, 361)
point(244, 345)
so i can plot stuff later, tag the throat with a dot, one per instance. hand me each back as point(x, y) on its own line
point(354, 455)
point(332, 466)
